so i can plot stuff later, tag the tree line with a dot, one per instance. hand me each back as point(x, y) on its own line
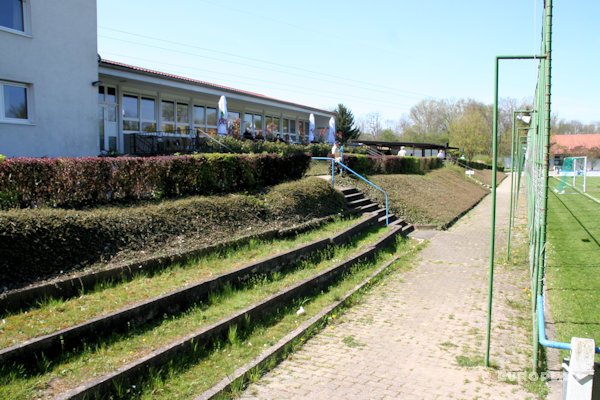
point(463, 123)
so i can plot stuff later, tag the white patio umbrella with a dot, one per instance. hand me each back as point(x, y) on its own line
point(311, 128)
point(222, 123)
point(331, 134)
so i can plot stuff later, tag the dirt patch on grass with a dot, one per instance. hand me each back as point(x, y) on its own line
point(437, 197)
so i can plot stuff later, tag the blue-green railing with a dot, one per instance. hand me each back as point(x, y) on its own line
point(343, 167)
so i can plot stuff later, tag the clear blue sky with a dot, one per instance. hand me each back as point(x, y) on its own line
point(373, 56)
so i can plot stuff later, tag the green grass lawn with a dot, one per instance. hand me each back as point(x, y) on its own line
point(573, 264)
point(436, 197)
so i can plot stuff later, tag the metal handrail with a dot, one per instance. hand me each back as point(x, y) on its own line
point(333, 162)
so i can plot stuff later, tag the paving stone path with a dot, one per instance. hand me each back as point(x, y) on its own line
point(415, 335)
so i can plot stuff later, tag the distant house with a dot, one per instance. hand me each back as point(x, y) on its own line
point(576, 145)
point(58, 98)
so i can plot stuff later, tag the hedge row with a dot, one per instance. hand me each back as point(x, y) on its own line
point(37, 243)
point(478, 165)
point(244, 146)
point(367, 165)
point(76, 182)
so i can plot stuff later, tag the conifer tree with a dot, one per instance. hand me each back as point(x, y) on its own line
point(345, 125)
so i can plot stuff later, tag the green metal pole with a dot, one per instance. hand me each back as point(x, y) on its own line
point(493, 225)
point(513, 193)
point(545, 144)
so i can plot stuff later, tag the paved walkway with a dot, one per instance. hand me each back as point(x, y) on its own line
point(415, 335)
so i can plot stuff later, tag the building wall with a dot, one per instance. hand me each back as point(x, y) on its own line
point(56, 57)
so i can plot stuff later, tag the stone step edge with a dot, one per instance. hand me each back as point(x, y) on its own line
point(21, 299)
point(130, 372)
point(278, 350)
point(168, 303)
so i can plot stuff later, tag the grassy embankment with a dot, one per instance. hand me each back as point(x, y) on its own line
point(437, 197)
point(573, 262)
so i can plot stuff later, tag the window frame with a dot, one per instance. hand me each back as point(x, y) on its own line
point(140, 115)
point(28, 103)
point(176, 123)
point(26, 15)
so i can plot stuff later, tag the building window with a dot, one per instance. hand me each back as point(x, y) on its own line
point(258, 124)
point(107, 94)
point(183, 119)
point(303, 131)
point(167, 114)
point(233, 124)
point(289, 130)
point(211, 121)
point(12, 15)
point(271, 127)
point(139, 114)
point(148, 108)
point(199, 119)
point(175, 117)
point(254, 122)
point(14, 102)
point(131, 113)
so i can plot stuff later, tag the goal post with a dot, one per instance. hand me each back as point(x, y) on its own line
point(573, 173)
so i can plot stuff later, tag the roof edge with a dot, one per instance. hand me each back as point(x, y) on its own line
point(132, 68)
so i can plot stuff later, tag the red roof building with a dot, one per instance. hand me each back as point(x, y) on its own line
point(574, 144)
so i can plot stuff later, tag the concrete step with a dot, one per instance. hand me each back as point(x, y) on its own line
point(391, 219)
point(354, 196)
point(357, 203)
point(346, 191)
point(369, 207)
point(399, 222)
point(407, 229)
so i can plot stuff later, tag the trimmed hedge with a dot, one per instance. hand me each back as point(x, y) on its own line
point(478, 165)
point(37, 243)
point(76, 182)
point(244, 146)
point(368, 165)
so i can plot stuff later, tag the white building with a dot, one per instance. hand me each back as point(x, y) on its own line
point(59, 99)
point(48, 60)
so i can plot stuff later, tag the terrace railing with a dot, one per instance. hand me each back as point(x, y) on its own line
point(342, 168)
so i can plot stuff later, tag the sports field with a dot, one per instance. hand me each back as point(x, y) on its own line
point(573, 264)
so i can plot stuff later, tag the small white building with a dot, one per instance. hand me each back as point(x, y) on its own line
point(58, 98)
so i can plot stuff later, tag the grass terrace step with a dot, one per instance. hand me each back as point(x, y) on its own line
point(147, 344)
point(306, 287)
point(169, 303)
point(64, 288)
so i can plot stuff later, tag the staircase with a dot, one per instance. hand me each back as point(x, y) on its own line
point(357, 202)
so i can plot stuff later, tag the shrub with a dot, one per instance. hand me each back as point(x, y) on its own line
point(309, 197)
point(478, 165)
point(76, 182)
point(240, 146)
point(366, 165)
point(37, 243)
